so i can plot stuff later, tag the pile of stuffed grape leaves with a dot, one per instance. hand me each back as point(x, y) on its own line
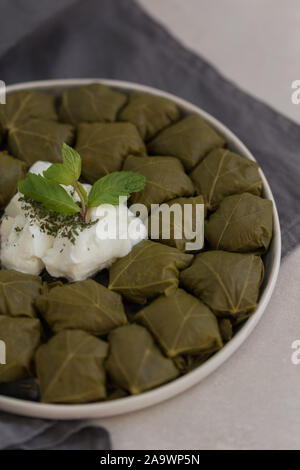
point(160, 310)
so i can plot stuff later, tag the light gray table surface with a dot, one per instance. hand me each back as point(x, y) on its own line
point(252, 401)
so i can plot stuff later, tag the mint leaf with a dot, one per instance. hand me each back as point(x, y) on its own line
point(71, 161)
point(110, 187)
point(69, 171)
point(60, 174)
point(49, 193)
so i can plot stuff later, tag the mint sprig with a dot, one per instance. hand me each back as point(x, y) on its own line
point(48, 191)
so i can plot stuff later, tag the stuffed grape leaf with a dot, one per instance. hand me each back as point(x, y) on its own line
point(83, 305)
point(11, 171)
point(148, 270)
point(70, 368)
point(181, 324)
point(91, 103)
point(226, 329)
point(189, 140)
point(227, 282)
point(223, 173)
point(24, 105)
point(187, 220)
point(116, 393)
point(242, 223)
point(36, 140)
point(21, 337)
point(104, 146)
point(149, 113)
point(188, 362)
point(165, 179)
point(18, 293)
point(134, 361)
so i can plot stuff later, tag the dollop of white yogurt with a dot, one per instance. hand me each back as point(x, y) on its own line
point(27, 248)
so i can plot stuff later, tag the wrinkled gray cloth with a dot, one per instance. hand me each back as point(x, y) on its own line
point(18, 432)
point(117, 39)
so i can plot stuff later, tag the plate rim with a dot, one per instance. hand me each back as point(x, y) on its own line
point(134, 403)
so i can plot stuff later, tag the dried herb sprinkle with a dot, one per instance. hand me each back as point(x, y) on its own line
point(52, 223)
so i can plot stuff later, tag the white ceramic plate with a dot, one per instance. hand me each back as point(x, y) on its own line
point(272, 262)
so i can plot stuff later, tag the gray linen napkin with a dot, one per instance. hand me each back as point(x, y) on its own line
point(18, 432)
point(117, 39)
